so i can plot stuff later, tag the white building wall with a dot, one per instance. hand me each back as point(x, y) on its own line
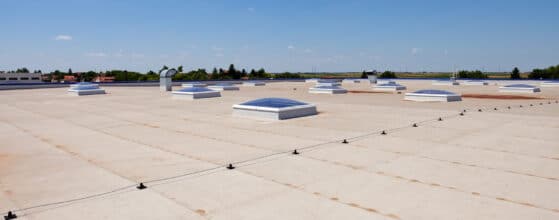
point(20, 78)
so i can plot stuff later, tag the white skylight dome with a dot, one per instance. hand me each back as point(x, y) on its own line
point(328, 82)
point(223, 87)
point(446, 82)
point(254, 83)
point(389, 87)
point(383, 81)
point(432, 95)
point(193, 84)
point(85, 88)
point(274, 108)
point(312, 80)
point(476, 83)
point(352, 80)
point(521, 88)
point(554, 83)
point(327, 90)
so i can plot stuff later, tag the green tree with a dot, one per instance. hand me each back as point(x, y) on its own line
point(364, 75)
point(231, 69)
point(215, 74)
point(387, 74)
point(151, 75)
point(89, 76)
point(124, 75)
point(58, 75)
point(22, 70)
point(471, 74)
point(252, 73)
point(179, 69)
point(551, 72)
point(260, 74)
point(163, 68)
point(199, 74)
point(233, 73)
point(515, 73)
point(287, 75)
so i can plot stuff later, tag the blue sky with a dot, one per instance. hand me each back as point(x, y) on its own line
point(304, 36)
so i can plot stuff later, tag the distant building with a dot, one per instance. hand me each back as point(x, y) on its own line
point(68, 78)
point(104, 79)
point(20, 78)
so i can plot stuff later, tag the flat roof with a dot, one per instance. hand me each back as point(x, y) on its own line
point(488, 164)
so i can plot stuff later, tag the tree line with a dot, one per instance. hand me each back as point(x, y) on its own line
point(23, 70)
point(230, 73)
point(233, 73)
point(384, 75)
point(551, 72)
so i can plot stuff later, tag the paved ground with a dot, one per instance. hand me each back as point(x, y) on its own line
point(494, 164)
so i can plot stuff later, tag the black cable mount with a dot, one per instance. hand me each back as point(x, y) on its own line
point(141, 186)
point(10, 216)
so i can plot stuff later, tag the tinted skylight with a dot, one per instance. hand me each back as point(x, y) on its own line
point(520, 86)
point(327, 87)
point(434, 91)
point(392, 83)
point(328, 81)
point(83, 84)
point(86, 87)
point(195, 89)
point(224, 84)
point(274, 103)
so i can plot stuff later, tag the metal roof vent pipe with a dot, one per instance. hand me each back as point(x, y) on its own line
point(166, 80)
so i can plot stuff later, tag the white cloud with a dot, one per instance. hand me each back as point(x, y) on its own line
point(63, 37)
point(307, 51)
point(250, 9)
point(96, 54)
point(290, 47)
point(218, 54)
point(215, 48)
point(119, 53)
point(138, 55)
point(415, 51)
point(376, 58)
